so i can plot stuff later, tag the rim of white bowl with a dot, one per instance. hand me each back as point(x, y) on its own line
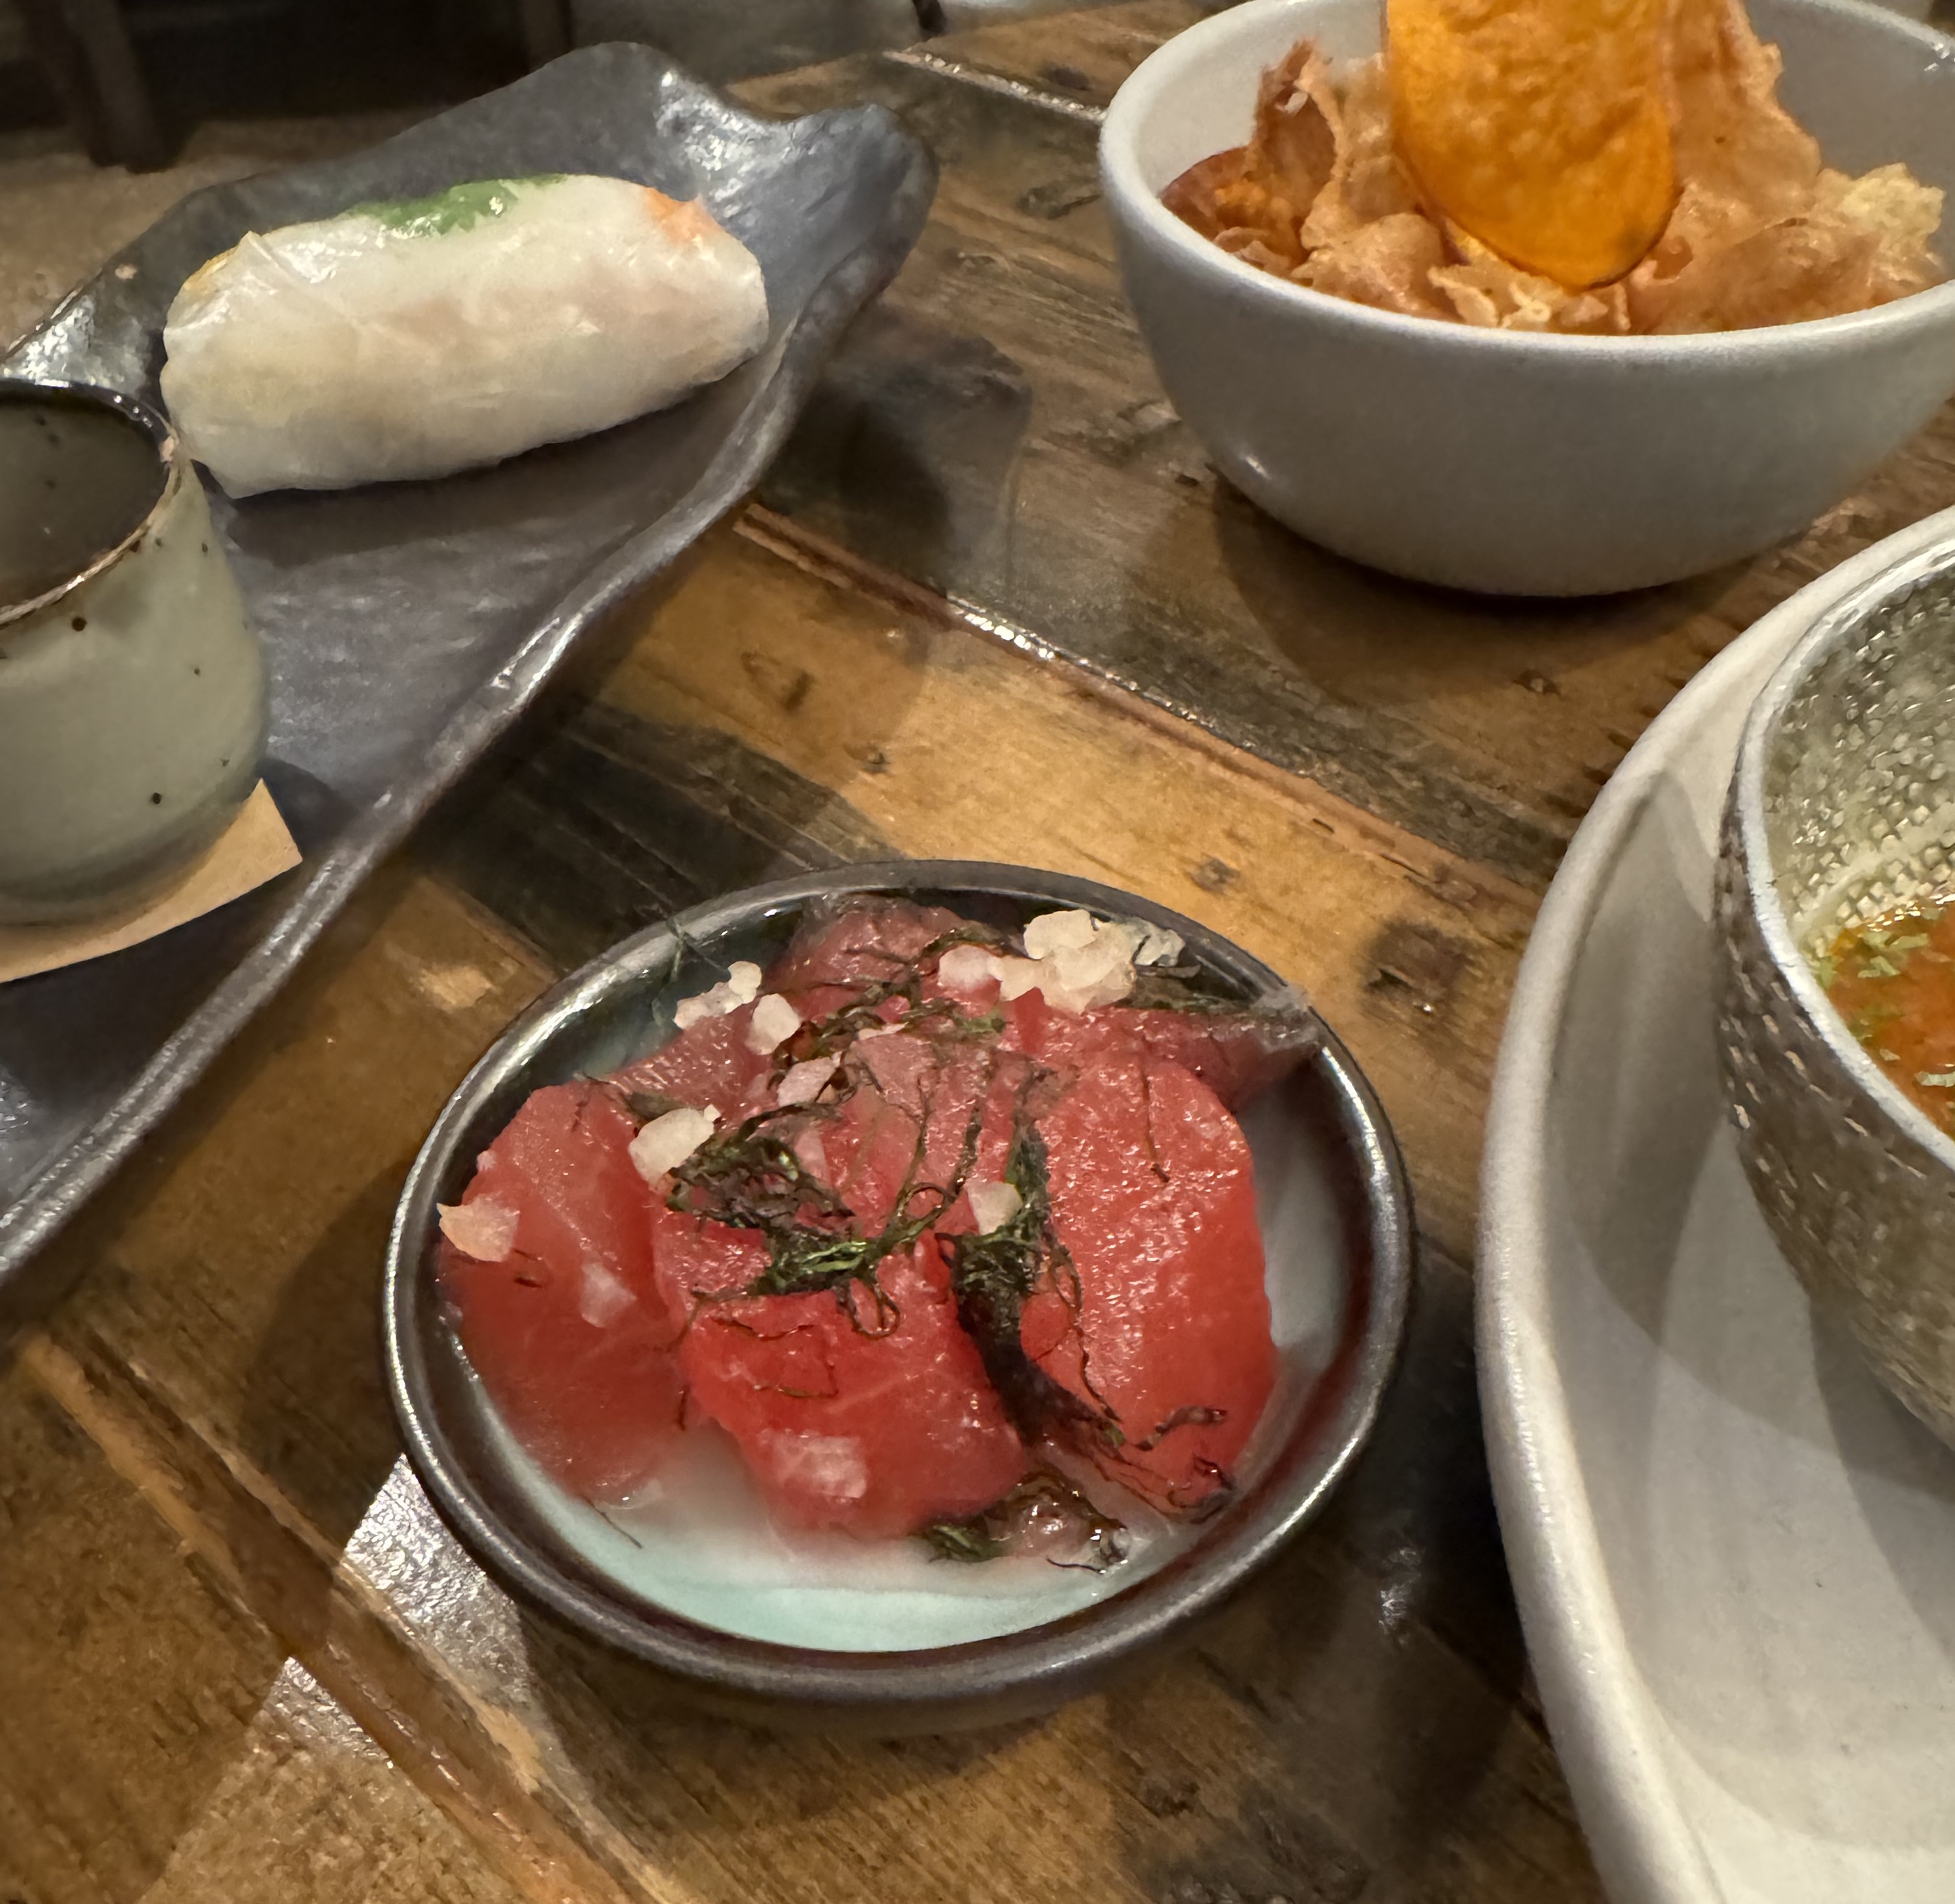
point(1141, 95)
point(1609, 1741)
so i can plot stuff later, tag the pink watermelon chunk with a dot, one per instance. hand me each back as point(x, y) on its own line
point(571, 1333)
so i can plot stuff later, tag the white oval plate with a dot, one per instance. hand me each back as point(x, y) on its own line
point(1734, 1554)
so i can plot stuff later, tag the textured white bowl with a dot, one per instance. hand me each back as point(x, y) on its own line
point(1516, 463)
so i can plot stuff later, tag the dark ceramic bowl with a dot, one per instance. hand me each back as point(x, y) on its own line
point(1337, 1232)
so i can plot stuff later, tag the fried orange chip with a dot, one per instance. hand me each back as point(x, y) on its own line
point(1540, 126)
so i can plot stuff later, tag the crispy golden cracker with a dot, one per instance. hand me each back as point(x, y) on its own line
point(1388, 264)
point(1367, 181)
point(1194, 197)
point(1540, 126)
point(1761, 232)
point(1735, 143)
point(1483, 289)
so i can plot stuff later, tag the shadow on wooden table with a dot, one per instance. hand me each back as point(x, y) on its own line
point(1358, 632)
point(1373, 1670)
point(910, 449)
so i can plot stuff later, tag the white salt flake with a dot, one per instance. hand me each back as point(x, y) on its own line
point(667, 1141)
point(966, 968)
point(1052, 932)
point(805, 1081)
point(1079, 963)
point(992, 1205)
point(740, 986)
point(1144, 944)
point(603, 1298)
point(483, 1229)
point(829, 1463)
point(775, 1020)
point(1016, 977)
point(1080, 968)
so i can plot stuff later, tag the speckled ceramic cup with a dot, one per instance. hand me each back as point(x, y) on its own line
point(132, 692)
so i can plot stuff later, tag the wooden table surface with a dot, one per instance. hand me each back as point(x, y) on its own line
point(992, 603)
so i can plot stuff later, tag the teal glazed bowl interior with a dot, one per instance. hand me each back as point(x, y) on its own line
point(752, 1639)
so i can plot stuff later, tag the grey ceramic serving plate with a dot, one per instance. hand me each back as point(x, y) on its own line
point(1337, 1230)
point(408, 625)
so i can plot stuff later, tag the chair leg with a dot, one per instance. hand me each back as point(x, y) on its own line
point(930, 16)
point(84, 46)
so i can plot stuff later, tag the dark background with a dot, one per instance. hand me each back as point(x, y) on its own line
point(229, 59)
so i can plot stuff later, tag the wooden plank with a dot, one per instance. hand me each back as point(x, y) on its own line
point(1079, 61)
point(1318, 1740)
point(311, 1809)
point(154, 1742)
point(256, 1547)
point(996, 431)
point(237, 1253)
point(125, 1682)
point(609, 823)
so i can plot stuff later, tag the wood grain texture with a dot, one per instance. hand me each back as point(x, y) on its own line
point(952, 747)
point(155, 1743)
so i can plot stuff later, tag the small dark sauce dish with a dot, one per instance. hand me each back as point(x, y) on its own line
point(598, 1018)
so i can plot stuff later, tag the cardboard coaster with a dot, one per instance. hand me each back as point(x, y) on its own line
point(255, 848)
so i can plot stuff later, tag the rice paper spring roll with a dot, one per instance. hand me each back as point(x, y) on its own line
point(418, 337)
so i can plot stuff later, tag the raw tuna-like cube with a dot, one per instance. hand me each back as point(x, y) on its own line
point(1236, 1054)
point(877, 1433)
point(1153, 1197)
point(878, 1420)
point(832, 959)
point(570, 1331)
point(709, 1063)
point(938, 1082)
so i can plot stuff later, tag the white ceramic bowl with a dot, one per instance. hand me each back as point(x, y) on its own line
point(1510, 463)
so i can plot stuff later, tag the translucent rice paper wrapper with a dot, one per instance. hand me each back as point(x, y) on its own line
point(413, 338)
